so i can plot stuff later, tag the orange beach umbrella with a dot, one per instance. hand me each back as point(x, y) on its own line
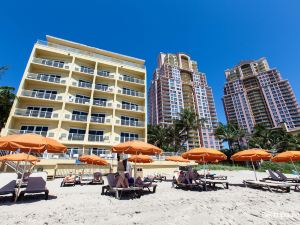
point(140, 159)
point(136, 147)
point(253, 154)
point(93, 159)
point(176, 159)
point(31, 143)
point(205, 154)
point(19, 157)
point(288, 156)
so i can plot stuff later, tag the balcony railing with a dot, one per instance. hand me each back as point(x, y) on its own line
point(132, 123)
point(46, 78)
point(43, 95)
point(84, 85)
point(100, 103)
point(82, 100)
point(131, 93)
point(96, 119)
point(79, 117)
point(34, 113)
point(42, 133)
point(52, 62)
point(132, 79)
point(104, 73)
point(96, 138)
point(90, 54)
point(75, 137)
point(132, 107)
point(103, 88)
point(124, 139)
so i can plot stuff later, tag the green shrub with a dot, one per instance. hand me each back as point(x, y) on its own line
point(283, 167)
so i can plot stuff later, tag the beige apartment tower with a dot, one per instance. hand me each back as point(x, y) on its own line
point(86, 98)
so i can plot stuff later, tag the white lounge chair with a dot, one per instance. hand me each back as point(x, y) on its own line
point(8, 184)
point(36, 184)
point(284, 187)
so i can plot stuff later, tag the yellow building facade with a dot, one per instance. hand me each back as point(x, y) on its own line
point(86, 98)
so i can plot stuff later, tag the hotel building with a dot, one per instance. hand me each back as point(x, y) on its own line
point(177, 84)
point(256, 94)
point(86, 98)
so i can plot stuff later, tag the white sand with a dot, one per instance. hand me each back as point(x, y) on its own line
point(85, 205)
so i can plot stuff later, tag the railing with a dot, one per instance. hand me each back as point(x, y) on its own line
point(85, 70)
point(52, 62)
point(75, 137)
point(132, 107)
point(33, 113)
point(131, 93)
point(97, 119)
point(82, 100)
point(45, 77)
point(104, 73)
point(100, 103)
point(124, 139)
point(36, 94)
point(42, 133)
point(96, 138)
point(90, 54)
point(79, 117)
point(101, 87)
point(132, 123)
point(132, 79)
point(84, 85)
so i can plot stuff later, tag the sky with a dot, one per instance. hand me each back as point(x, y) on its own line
point(218, 34)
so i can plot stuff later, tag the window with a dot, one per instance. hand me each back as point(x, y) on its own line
point(55, 63)
point(85, 69)
point(85, 84)
point(36, 111)
point(96, 135)
point(130, 106)
point(100, 101)
point(129, 121)
point(98, 117)
point(47, 94)
point(102, 87)
point(49, 77)
point(79, 115)
point(129, 137)
point(82, 99)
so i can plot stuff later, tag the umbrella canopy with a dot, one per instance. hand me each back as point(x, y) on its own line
point(136, 147)
point(253, 154)
point(93, 159)
point(19, 157)
point(287, 156)
point(176, 159)
point(31, 143)
point(205, 154)
point(201, 161)
point(140, 159)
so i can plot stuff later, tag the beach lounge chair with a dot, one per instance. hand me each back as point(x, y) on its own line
point(86, 179)
point(97, 178)
point(284, 187)
point(36, 184)
point(111, 188)
point(181, 185)
point(8, 184)
point(278, 176)
point(146, 185)
point(68, 181)
point(213, 182)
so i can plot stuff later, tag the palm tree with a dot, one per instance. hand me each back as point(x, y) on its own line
point(230, 133)
point(187, 122)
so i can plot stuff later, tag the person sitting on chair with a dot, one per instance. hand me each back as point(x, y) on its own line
point(122, 181)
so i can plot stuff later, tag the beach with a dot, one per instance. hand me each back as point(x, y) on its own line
point(86, 205)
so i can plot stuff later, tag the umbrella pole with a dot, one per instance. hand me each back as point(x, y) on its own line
point(295, 168)
point(20, 183)
point(253, 169)
point(204, 174)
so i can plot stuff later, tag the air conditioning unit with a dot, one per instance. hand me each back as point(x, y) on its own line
point(110, 89)
point(120, 91)
point(63, 81)
point(106, 137)
point(67, 67)
point(107, 120)
point(68, 116)
point(71, 98)
point(118, 105)
point(109, 104)
point(117, 121)
point(76, 69)
point(86, 103)
point(59, 98)
point(117, 138)
point(63, 136)
point(74, 83)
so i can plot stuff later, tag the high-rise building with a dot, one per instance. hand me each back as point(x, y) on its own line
point(86, 98)
point(177, 84)
point(256, 94)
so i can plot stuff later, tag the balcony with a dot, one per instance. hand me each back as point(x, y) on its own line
point(42, 95)
point(96, 138)
point(104, 73)
point(52, 62)
point(102, 103)
point(131, 107)
point(100, 87)
point(97, 119)
point(42, 133)
point(82, 118)
point(132, 123)
point(75, 137)
point(46, 78)
point(84, 69)
point(84, 85)
point(131, 93)
point(82, 100)
point(125, 139)
point(35, 113)
point(132, 79)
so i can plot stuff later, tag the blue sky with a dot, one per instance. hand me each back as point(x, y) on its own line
point(218, 34)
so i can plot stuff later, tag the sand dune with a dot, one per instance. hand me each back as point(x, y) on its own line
point(85, 205)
